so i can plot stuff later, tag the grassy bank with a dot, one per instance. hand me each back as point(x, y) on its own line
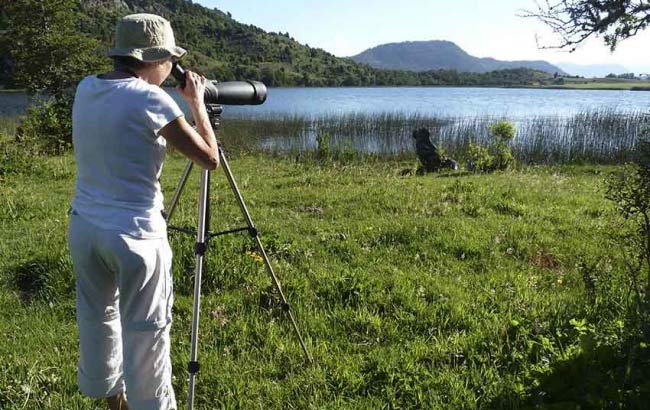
point(443, 291)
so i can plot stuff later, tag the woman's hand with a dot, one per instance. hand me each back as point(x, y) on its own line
point(200, 144)
point(194, 89)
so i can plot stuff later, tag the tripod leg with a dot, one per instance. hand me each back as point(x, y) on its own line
point(269, 268)
point(179, 189)
point(201, 247)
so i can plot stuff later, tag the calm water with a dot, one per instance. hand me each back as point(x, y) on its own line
point(448, 102)
point(452, 102)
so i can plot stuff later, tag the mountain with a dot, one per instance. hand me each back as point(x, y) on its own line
point(439, 54)
point(224, 49)
point(593, 70)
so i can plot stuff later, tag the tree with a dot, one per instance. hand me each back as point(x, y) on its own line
point(49, 56)
point(49, 53)
point(576, 20)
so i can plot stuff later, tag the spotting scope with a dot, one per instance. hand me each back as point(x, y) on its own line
point(229, 92)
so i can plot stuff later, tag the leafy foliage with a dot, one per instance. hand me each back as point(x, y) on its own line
point(47, 126)
point(48, 52)
point(498, 156)
point(49, 57)
point(479, 158)
point(504, 132)
point(576, 20)
point(629, 189)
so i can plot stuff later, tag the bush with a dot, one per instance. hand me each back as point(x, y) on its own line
point(15, 159)
point(48, 126)
point(498, 156)
point(504, 132)
point(479, 159)
point(629, 189)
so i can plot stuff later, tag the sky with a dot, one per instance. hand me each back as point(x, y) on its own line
point(483, 28)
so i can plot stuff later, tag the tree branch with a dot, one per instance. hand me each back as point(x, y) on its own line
point(573, 21)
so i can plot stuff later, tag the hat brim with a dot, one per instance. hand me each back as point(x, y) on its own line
point(148, 54)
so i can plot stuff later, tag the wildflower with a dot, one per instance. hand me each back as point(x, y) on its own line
point(220, 315)
point(255, 256)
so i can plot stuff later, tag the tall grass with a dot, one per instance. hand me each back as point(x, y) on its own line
point(8, 126)
point(600, 137)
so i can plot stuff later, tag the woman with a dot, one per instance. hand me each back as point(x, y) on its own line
point(122, 121)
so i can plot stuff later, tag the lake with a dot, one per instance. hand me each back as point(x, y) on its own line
point(553, 126)
point(447, 102)
point(514, 103)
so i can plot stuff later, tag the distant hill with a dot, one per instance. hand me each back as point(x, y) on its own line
point(439, 54)
point(593, 70)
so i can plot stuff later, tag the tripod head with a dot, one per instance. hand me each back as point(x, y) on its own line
point(214, 113)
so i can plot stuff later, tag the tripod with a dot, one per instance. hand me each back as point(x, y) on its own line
point(203, 235)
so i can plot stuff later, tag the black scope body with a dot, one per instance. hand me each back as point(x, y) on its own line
point(229, 92)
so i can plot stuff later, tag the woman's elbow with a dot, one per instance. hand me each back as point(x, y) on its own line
point(210, 163)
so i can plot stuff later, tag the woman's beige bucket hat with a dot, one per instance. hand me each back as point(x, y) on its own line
point(146, 37)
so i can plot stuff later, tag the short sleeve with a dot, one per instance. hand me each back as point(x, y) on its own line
point(161, 109)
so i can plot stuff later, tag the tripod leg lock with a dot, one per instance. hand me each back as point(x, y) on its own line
point(193, 367)
point(200, 248)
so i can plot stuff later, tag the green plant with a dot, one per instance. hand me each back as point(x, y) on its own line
point(498, 155)
point(49, 57)
point(47, 126)
point(323, 151)
point(479, 158)
point(15, 158)
point(504, 132)
point(629, 189)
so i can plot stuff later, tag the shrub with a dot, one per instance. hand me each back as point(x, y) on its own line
point(15, 159)
point(498, 156)
point(629, 189)
point(479, 159)
point(503, 132)
point(48, 126)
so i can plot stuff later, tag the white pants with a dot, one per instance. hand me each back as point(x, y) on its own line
point(124, 302)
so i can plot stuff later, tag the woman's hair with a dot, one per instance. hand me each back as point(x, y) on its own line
point(122, 62)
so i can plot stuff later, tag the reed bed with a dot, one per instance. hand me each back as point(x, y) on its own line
point(8, 126)
point(599, 137)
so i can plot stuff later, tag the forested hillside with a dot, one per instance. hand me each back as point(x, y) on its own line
point(225, 49)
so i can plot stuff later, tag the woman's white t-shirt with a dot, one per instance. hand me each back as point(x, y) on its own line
point(119, 154)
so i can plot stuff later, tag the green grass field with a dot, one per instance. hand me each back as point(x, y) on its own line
point(450, 291)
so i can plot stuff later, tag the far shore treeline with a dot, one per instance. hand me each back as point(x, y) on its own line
point(225, 50)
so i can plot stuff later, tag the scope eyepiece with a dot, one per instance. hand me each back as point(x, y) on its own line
point(229, 92)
